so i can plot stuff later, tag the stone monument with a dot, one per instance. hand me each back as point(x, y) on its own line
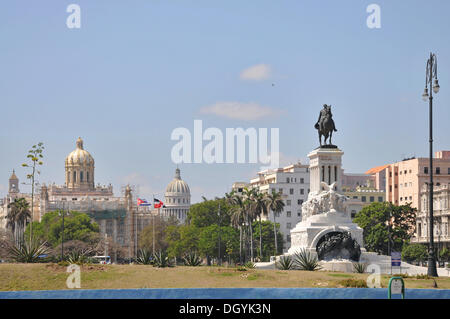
point(326, 228)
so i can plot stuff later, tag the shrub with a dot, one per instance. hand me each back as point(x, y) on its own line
point(353, 283)
point(192, 259)
point(249, 265)
point(359, 268)
point(285, 263)
point(144, 257)
point(414, 252)
point(77, 257)
point(305, 260)
point(162, 260)
point(28, 251)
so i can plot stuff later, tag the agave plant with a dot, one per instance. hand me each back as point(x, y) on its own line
point(359, 268)
point(77, 257)
point(144, 257)
point(305, 260)
point(192, 259)
point(28, 251)
point(249, 265)
point(162, 260)
point(285, 263)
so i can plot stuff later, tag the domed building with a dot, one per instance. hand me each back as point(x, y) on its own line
point(177, 198)
point(79, 166)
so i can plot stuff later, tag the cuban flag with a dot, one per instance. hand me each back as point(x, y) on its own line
point(143, 202)
point(158, 203)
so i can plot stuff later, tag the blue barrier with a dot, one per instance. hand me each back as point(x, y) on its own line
point(226, 293)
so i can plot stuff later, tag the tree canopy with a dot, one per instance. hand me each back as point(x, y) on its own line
point(381, 221)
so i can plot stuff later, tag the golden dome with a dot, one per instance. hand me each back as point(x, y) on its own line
point(79, 155)
point(177, 185)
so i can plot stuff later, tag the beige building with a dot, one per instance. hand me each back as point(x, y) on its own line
point(293, 182)
point(441, 212)
point(362, 196)
point(404, 180)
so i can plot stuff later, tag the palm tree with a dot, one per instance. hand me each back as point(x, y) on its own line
point(18, 214)
point(275, 203)
point(260, 209)
point(238, 217)
point(250, 213)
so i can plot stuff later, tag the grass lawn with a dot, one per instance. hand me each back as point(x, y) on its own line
point(53, 276)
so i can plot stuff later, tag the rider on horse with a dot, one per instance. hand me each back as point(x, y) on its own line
point(324, 113)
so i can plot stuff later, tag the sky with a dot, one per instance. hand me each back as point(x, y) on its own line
point(135, 71)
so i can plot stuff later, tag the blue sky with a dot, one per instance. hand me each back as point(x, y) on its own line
point(137, 70)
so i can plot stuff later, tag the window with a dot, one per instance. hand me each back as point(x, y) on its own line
point(353, 214)
point(448, 171)
point(438, 170)
point(299, 213)
point(87, 176)
point(287, 181)
point(405, 171)
point(288, 202)
point(425, 170)
point(81, 176)
point(280, 191)
point(288, 238)
point(380, 199)
point(302, 180)
point(372, 199)
point(363, 198)
point(302, 191)
point(288, 226)
point(291, 191)
point(355, 197)
point(288, 214)
point(401, 198)
point(300, 201)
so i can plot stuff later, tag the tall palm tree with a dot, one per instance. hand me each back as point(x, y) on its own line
point(260, 209)
point(275, 203)
point(17, 217)
point(250, 213)
point(237, 216)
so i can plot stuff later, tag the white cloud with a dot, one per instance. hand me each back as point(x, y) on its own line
point(240, 111)
point(257, 72)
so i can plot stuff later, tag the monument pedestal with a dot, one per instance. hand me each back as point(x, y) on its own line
point(325, 214)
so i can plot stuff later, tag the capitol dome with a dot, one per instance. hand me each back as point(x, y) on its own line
point(177, 198)
point(79, 166)
point(177, 185)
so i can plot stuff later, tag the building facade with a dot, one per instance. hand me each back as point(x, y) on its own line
point(293, 182)
point(404, 180)
point(441, 212)
point(177, 198)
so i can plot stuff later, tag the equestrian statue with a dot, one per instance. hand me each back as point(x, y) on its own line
point(325, 125)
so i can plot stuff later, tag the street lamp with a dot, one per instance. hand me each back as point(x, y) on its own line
point(431, 73)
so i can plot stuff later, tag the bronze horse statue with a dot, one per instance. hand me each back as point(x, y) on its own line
point(325, 125)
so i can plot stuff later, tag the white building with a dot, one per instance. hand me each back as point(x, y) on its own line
point(293, 182)
point(177, 198)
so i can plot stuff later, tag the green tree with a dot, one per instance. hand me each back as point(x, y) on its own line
point(208, 241)
point(17, 217)
point(444, 254)
point(268, 246)
point(34, 157)
point(386, 224)
point(275, 204)
point(206, 213)
point(77, 226)
point(414, 252)
point(161, 225)
point(182, 239)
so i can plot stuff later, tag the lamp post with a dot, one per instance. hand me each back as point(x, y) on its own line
point(431, 73)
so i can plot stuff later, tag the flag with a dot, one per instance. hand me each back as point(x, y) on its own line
point(143, 202)
point(158, 203)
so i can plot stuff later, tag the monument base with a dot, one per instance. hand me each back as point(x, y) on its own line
point(307, 234)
